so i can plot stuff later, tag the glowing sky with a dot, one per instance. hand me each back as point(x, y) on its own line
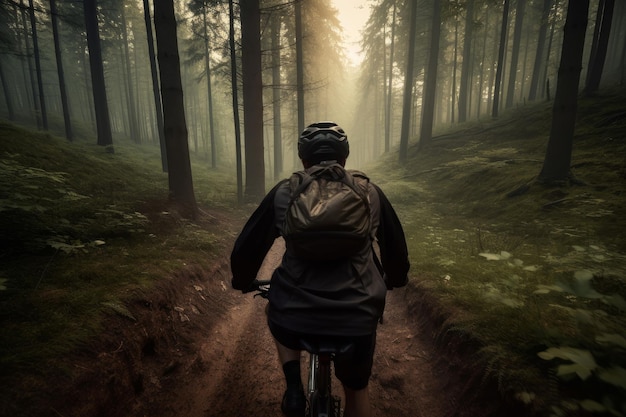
point(352, 14)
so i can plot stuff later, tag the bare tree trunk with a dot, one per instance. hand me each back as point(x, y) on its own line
point(59, 60)
point(467, 54)
point(103, 123)
point(42, 95)
point(388, 121)
point(175, 127)
point(556, 165)
point(276, 81)
point(33, 88)
point(408, 84)
point(501, 51)
point(454, 71)
point(132, 110)
point(7, 93)
point(600, 45)
point(428, 101)
point(545, 90)
point(209, 87)
point(299, 65)
point(233, 79)
point(539, 53)
point(517, 39)
point(252, 98)
point(155, 85)
point(481, 77)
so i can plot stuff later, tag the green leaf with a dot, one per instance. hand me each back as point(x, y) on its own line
point(583, 361)
point(616, 300)
point(582, 371)
point(545, 289)
point(592, 406)
point(615, 339)
point(614, 376)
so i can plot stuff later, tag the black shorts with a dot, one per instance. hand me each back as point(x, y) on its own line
point(353, 369)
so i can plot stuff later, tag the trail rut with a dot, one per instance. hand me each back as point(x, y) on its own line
point(237, 372)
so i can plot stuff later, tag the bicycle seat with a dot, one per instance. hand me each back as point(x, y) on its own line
point(326, 346)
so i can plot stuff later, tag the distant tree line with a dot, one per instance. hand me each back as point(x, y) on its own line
point(177, 74)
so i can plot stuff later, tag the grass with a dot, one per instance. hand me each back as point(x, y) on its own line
point(537, 278)
point(81, 230)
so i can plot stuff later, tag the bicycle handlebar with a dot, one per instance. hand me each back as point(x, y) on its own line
point(261, 287)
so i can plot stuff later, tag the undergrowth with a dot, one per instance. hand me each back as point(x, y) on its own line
point(539, 273)
point(82, 230)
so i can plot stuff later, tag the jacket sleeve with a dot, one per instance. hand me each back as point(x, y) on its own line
point(253, 243)
point(393, 250)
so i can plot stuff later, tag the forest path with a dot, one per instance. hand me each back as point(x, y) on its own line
point(239, 373)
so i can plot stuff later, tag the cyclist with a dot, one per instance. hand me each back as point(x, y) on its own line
point(340, 299)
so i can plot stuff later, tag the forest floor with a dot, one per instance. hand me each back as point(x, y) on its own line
point(197, 348)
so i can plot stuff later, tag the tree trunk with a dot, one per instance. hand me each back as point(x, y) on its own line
point(481, 76)
point(545, 91)
point(252, 98)
point(388, 120)
point(276, 83)
point(132, 110)
point(103, 123)
point(599, 47)
point(556, 165)
point(42, 95)
point(455, 59)
point(501, 51)
point(233, 80)
point(33, 86)
point(299, 66)
point(7, 93)
point(155, 84)
point(59, 60)
point(175, 127)
point(428, 101)
point(517, 40)
point(408, 84)
point(467, 55)
point(539, 53)
point(209, 87)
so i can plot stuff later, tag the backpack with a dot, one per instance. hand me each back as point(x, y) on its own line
point(328, 215)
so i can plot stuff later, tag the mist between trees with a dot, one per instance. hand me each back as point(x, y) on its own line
point(180, 75)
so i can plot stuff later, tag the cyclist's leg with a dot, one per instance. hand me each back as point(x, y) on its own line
point(354, 370)
point(357, 403)
point(294, 401)
point(285, 354)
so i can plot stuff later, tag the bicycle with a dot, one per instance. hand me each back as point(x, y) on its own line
point(320, 400)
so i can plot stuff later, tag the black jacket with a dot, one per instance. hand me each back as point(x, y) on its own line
point(343, 297)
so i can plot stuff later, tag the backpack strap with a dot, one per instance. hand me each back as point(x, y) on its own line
point(298, 183)
point(300, 180)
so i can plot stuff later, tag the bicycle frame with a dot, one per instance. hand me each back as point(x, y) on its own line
point(322, 403)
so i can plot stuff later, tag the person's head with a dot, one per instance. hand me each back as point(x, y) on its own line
point(323, 141)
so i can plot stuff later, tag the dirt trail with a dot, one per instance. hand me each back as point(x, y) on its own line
point(237, 374)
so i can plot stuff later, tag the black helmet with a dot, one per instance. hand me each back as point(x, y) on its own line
point(323, 141)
